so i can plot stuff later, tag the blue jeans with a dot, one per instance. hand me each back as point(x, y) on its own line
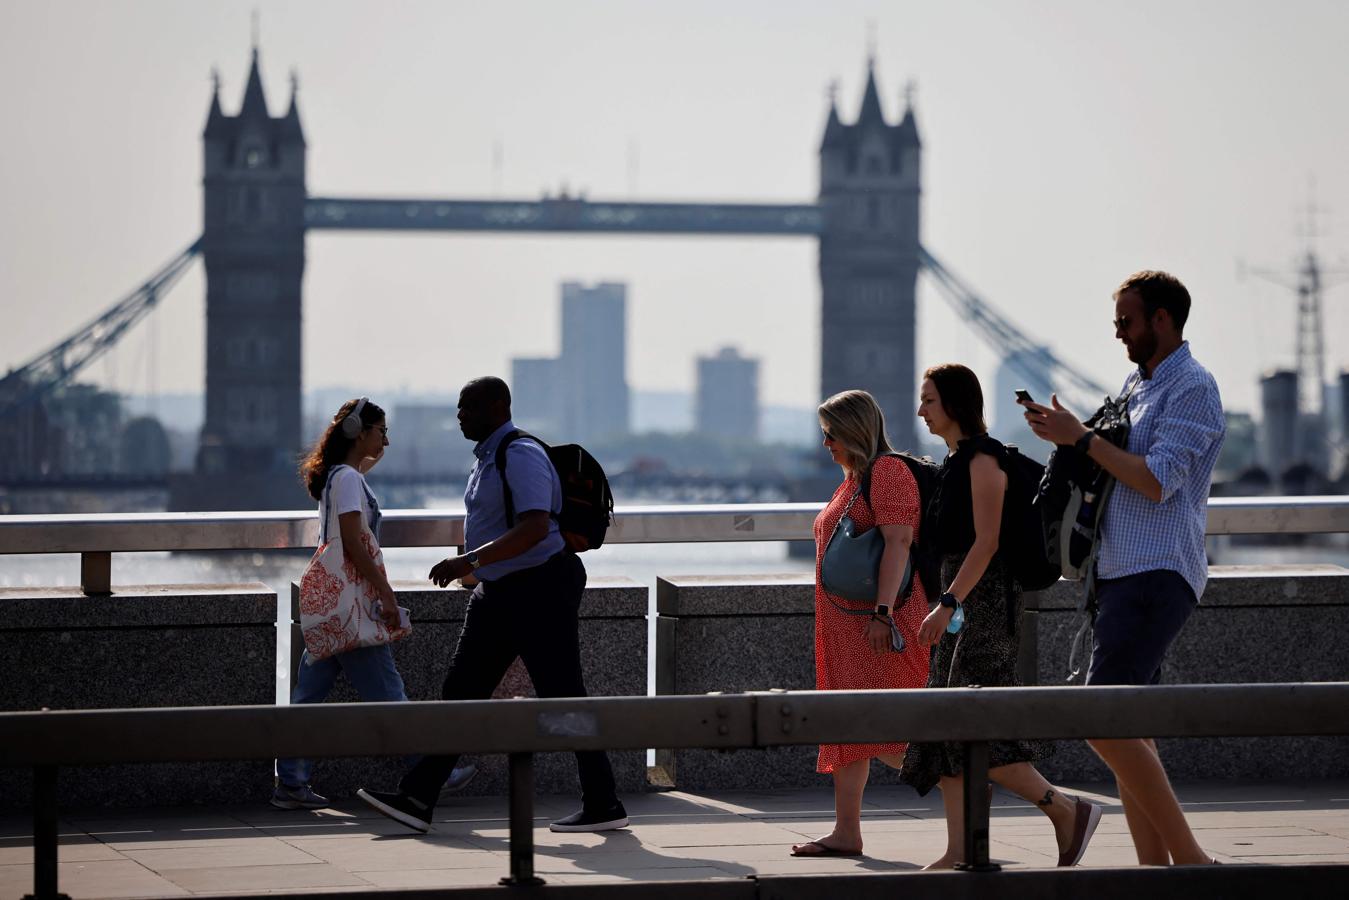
point(370, 670)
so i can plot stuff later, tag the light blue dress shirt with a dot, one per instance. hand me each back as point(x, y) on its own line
point(1178, 428)
point(534, 485)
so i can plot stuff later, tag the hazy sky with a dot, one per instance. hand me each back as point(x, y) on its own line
point(1066, 144)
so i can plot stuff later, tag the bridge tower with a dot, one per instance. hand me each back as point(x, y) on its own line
point(869, 200)
point(253, 248)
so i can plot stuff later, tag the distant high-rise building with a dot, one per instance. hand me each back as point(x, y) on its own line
point(582, 394)
point(728, 395)
point(1343, 442)
point(593, 366)
point(426, 439)
point(535, 395)
point(1279, 422)
point(1006, 417)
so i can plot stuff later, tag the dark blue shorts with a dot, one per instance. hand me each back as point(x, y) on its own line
point(1137, 618)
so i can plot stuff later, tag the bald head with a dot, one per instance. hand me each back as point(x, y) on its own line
point(484, 406)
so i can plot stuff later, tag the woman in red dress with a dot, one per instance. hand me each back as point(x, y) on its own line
point(853, 640)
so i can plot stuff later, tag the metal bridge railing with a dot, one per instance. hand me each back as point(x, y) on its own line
point(973, 717)
point(96, 537)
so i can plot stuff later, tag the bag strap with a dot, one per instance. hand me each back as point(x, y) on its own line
point(328, 502)
point(507, 497)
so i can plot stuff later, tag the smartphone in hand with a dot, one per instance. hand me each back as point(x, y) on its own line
point(1023, 396)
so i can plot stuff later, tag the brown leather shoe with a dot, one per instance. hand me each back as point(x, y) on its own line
point(1084, 826)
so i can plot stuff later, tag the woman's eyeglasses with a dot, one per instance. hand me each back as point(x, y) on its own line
point(827, 436)
point(383, 430)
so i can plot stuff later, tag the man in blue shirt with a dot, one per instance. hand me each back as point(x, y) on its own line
point(525, 604)
point(1152, 567)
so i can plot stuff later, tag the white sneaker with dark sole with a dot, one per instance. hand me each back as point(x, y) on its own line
point(399, 807)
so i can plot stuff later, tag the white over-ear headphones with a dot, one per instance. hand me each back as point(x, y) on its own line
point(352, 424)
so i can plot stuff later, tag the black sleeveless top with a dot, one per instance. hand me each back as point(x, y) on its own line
point(952, 505)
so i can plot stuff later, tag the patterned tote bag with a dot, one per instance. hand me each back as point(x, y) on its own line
point(339, 607)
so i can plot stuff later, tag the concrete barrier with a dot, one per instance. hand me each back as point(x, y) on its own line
point(613, 657)
point(1256, 624)
point(737, 633)
point(167, 645)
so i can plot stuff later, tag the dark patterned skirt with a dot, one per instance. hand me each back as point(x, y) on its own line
point(983, 653)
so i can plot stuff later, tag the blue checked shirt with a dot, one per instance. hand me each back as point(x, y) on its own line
point(1178, 427)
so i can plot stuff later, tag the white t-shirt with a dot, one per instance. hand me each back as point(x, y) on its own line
point(347, 493)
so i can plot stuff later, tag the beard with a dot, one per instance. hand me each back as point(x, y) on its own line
point(1143, 349)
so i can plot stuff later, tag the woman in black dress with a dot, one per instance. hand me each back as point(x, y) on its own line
point(966, 516)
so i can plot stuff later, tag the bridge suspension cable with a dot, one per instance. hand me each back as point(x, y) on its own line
point(1030, 359)
point(54, 368)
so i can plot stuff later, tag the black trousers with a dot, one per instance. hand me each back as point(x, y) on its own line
point(531, 614)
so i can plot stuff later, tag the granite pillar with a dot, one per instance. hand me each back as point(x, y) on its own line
point(166, 645)
point(1254, 624)
point(727, 633)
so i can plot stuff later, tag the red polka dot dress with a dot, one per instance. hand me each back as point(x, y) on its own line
point(844, 661)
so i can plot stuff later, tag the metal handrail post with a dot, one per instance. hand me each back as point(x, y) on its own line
point(522, 821)
point(46, 832)
point(976, 803)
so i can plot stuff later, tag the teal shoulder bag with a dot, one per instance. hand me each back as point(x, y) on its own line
point(852, 561)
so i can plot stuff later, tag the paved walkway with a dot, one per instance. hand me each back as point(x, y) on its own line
point(183, 851)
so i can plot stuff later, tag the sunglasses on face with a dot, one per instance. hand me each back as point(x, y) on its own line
point(827, 436)
point(1122, 323)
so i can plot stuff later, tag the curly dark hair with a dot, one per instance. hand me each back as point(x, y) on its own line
point(333, 446)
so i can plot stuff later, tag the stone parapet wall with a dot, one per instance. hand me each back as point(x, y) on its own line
point(613, 631)
point(167, 645)
point(1256, 624)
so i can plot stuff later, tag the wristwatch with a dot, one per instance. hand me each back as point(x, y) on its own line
point(471, 557)
point(948, 600)
point(882, 610)
point(1083, 444)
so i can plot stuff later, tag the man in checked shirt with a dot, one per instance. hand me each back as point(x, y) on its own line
point(1152, 566)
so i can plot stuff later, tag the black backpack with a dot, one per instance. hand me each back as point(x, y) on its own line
point(926, 559)
point(587, 502)
point(1074, 492)
point(1021, 539)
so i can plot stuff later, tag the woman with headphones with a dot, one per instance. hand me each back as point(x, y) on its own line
point(334, 473)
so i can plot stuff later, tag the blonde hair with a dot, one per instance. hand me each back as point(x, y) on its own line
point(857, 424)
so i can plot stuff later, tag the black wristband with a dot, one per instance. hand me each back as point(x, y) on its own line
point(948, 600)
point(1083, 444)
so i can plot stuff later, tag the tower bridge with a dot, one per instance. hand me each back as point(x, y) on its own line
point(258, 210)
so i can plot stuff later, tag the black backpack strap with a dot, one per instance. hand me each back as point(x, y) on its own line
point(507, 497)
point(506, 440)
point(866, 479)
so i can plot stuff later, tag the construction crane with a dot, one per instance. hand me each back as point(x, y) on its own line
point(56, 367)
point(1027, 357)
